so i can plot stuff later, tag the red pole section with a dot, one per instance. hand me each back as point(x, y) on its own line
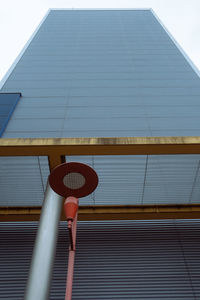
point(71, 213)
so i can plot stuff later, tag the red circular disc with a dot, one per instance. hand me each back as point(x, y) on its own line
point(81, 179)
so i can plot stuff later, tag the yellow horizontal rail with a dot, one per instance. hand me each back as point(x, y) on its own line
point(117, 212)
point(57, 148)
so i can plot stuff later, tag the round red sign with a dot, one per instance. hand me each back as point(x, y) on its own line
point(73, 179)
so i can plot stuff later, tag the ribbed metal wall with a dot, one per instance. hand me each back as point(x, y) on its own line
point(138, 260)
point(141, 179)
point(23, 180)
point(125, 180)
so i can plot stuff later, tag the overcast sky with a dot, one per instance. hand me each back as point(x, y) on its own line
point(19, 19)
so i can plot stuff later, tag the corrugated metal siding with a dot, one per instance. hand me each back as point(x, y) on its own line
point(141, 179)
point(114, 260)
point(133, 260)
point(23, 180)
point(163, 179)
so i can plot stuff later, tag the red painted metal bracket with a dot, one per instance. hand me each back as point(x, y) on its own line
point(71, 213)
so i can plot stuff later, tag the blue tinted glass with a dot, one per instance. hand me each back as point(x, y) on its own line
point(8, 102)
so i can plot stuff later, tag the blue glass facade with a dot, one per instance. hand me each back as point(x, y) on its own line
point(8, 102)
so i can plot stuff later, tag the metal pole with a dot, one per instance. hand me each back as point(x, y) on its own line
point(38, 285)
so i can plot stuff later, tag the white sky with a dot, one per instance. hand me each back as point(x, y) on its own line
point(19, 19)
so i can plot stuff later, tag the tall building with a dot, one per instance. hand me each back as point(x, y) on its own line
point(105, 73)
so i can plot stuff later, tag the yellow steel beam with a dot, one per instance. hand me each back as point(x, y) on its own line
point(55, 160)
point(117, 212)
point(57, 148)
point(140, 212)
point(99, 146)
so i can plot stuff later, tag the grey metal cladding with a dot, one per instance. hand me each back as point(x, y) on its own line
point(114, 260)
point(23, 180)
point(135, 260)
point(141, 179)
point(109, 73)
point(83, 63)
point(100, 58)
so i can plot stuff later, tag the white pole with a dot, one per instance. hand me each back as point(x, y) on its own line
point(40, 274)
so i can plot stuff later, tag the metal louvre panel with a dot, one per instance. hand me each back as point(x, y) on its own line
point(131, 260)
point(23, 180)
point(114, 260)
point(15, 254)
point(141, 179)
point(123, 180)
